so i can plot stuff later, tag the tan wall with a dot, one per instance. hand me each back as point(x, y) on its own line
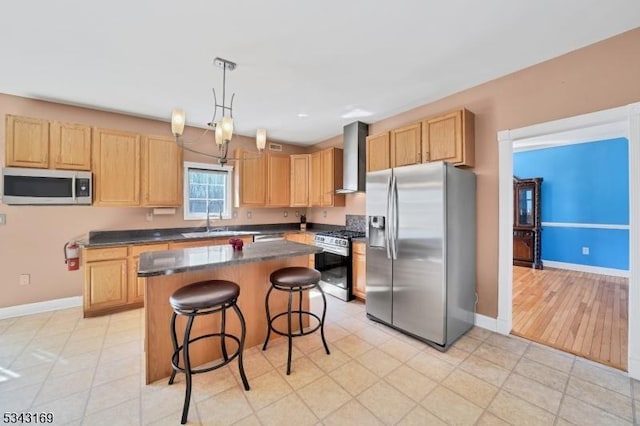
point(600, 76)
point(32, 240)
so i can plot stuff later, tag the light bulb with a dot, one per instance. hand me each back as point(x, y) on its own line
point(177, 122)
point(219, 138)
point(227, 128)
point(261, 139)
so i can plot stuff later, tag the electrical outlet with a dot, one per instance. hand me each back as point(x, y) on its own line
point(249, 215)
point(149, 216)
point(324, 213)
point(297, 213)
point(3, 219)
point(585, 250)
point(235, 214)
point(25, 279)
point(286, 213)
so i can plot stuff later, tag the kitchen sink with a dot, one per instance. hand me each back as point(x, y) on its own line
point(221, 233)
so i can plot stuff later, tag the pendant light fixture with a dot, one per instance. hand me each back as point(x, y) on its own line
point(222, 129)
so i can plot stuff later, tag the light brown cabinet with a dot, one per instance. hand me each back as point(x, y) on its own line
point(111, 282)
point(105, 280)
point(278, 180)
point(315, 179)
point(326, 177)
point(449, 137)
point(135, 285)
point(116, 168)
point(378, 152)
point(303, 238)
point(26, 142)
point(251, 181)
point(359, 270)
point(38, 143)
point(161, 172)
point(262, 181)
point(300, 165)
point(405, 145)
point(70, 146)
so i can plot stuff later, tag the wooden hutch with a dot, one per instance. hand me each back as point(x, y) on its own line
point(527, 230)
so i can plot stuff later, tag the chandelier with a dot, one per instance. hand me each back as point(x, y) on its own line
point(222, 129)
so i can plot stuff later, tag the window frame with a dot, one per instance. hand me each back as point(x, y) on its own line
point(228, 201)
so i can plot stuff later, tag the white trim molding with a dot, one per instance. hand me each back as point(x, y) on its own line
point(586, 268)
point(486, 322)
point(39, 307)
point(616, 122)
point(584, 225)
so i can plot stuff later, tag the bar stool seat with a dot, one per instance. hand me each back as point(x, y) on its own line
point(205, 298)
point(295, 279)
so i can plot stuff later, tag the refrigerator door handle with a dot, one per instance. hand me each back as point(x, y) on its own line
point(394, 218)
point(387, 236)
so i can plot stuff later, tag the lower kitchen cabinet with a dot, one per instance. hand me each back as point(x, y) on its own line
point(135, 293)
point(111, 282)
point(359, 270)
point(105, 280)
point(304, 238)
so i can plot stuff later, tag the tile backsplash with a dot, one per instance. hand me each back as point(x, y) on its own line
point(356, 222)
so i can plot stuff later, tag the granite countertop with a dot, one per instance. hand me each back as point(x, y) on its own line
point(148, 236)
point(192, 259)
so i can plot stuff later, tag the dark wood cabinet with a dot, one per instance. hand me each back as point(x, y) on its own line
point(527, 229)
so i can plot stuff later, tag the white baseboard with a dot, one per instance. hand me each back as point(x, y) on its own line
point(486, 322)
point(35, 308)
point(586, 268)
point(633, 368)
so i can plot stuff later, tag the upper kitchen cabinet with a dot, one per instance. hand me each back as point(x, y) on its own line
point(116, 168)
point(330, 178)
point(449, 137)
point(251, 182)
point(278, 180)
point(300, 164)
point(26, 142)
point(315, 179)
point(70, 146)
point(378, 152)
point(161, 167)
point(405, 145)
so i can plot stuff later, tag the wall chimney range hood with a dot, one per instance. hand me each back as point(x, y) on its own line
point(354, 157)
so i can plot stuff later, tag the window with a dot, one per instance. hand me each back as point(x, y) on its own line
point(207, 185)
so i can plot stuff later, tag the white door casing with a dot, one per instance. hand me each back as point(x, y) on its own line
point(616, 122)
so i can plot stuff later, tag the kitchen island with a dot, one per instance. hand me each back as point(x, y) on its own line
point(166, 271)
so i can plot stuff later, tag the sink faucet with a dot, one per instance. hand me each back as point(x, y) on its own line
point(208, 221)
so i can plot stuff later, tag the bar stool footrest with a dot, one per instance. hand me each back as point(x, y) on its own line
point(295, 333)
point(222, 363)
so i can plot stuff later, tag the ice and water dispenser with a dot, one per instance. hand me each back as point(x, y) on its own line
point(376, 231)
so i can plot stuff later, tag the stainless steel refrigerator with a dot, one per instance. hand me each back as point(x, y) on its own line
point(421, 250)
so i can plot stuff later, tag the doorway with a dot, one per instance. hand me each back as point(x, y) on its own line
point(617, 122)
point(579, 215)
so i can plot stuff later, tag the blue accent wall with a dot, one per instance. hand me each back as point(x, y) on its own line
point(583, 183)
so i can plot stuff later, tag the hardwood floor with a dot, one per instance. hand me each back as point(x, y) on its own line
point(577, 312)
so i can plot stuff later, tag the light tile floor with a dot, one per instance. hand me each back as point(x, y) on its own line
point(90, 372)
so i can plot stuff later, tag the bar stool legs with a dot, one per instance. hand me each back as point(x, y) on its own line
point(190, 301)
point(292, 280)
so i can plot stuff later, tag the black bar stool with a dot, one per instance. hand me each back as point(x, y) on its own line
point(295, 279)
point(204, 298)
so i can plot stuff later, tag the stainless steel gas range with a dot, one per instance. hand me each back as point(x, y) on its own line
point(334, 263)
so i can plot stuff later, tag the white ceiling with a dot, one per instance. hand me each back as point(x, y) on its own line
point(324, 58)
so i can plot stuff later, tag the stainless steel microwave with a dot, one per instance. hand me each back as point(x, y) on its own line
point(42, 186)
